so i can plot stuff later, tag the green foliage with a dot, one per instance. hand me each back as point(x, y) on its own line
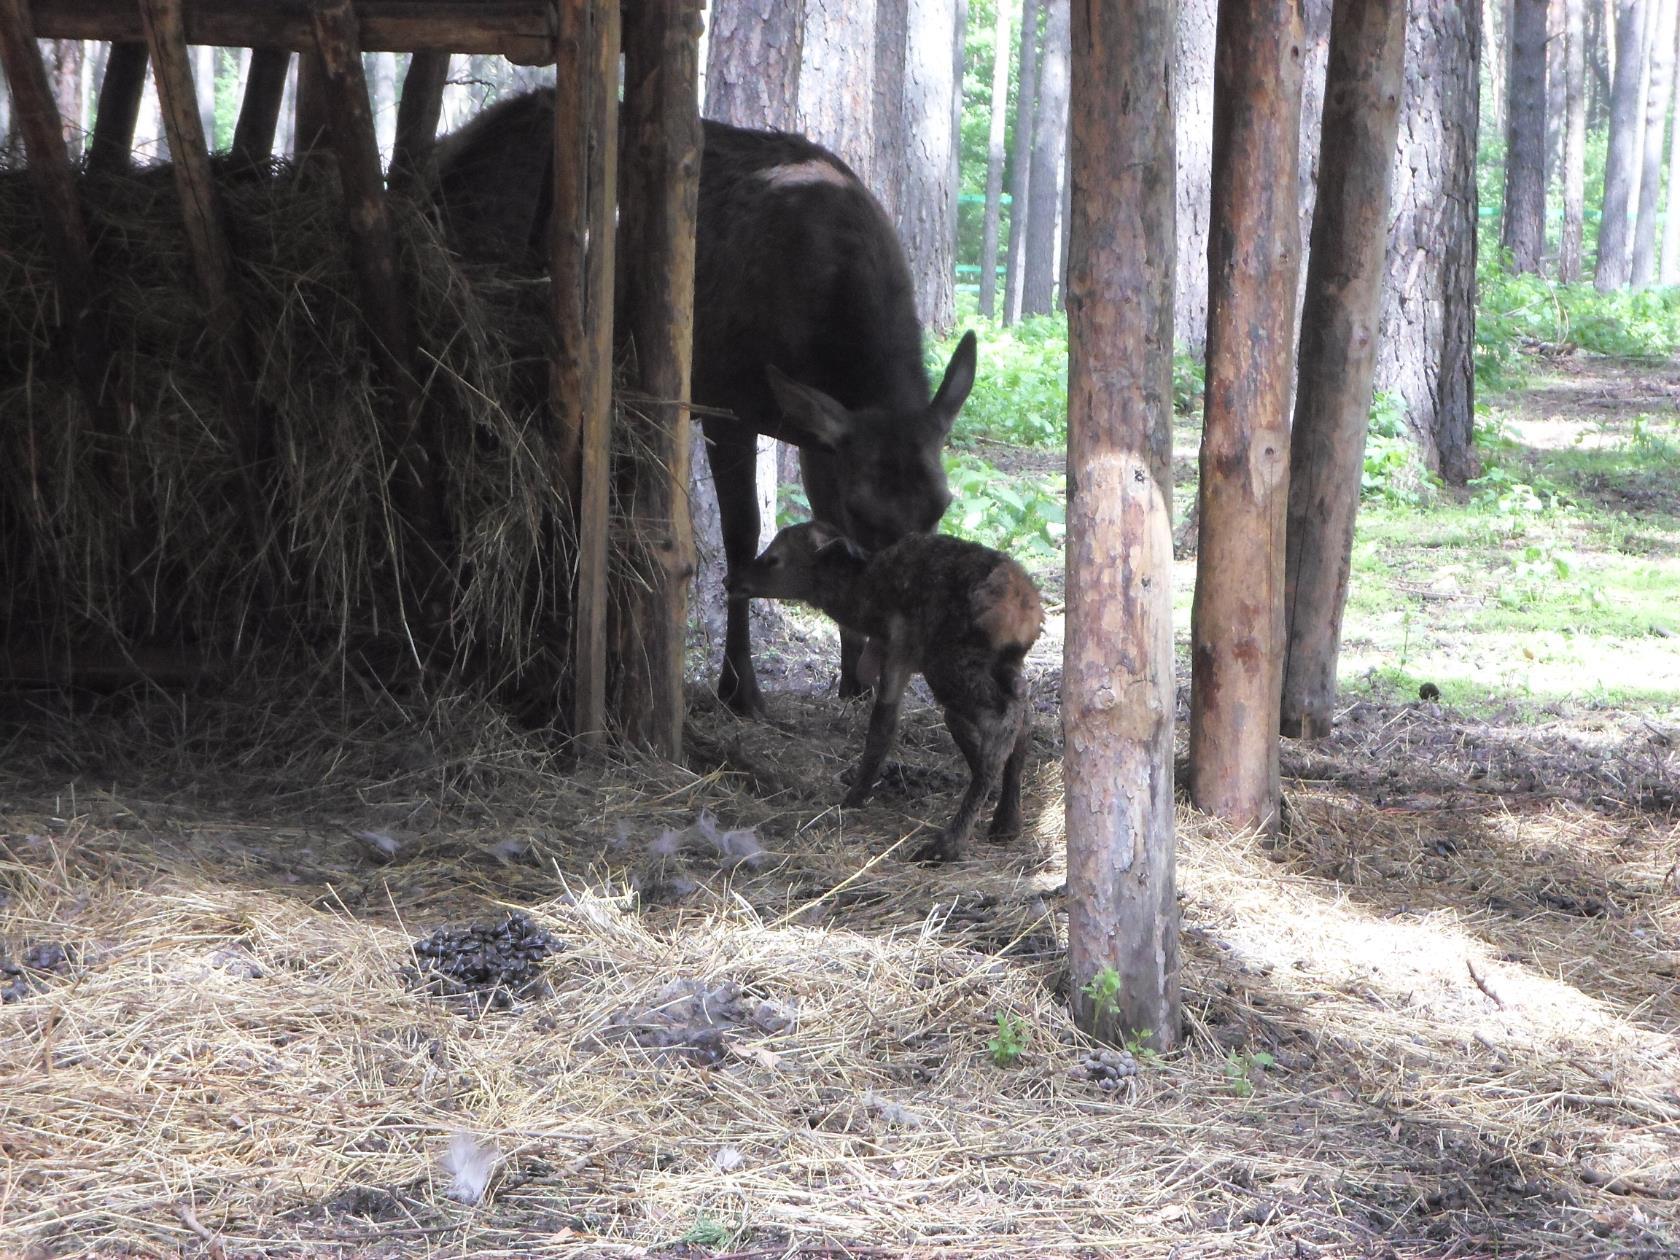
point(709, 1232)
point(1394, 471)
point(1240, 1069)
point(1103, 990)
point(1009, 1043)
point(1137, 1045)
point(1516, 310)
point(1019, 515)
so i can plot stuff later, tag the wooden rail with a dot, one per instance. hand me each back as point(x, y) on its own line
point(520, 30)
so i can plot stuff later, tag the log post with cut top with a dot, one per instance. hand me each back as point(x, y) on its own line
point(658, 197)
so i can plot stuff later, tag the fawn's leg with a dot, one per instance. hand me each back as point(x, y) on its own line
point(883, 725)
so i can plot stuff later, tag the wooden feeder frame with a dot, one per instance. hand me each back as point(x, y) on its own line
point(581, 38)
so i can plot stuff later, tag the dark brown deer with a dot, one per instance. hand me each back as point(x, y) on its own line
point(961, 615)
point(804, 328)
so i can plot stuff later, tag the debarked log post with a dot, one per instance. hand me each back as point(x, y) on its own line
point(417, 116)
point(583, 236)
point(658, 194)
point(112, 146)
point(259, 112)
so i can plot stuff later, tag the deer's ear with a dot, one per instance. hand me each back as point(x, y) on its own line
point(809, 417)
point(828, 539)
point(953, 390)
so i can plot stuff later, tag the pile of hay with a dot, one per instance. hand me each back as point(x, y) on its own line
point(160, 549)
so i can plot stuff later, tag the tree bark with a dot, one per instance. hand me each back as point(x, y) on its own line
point(658, 195)
point(994, 161)
point(753, 58)
point(418, 110)
point(927, 192)
point(1117, 706)
point(837, 82)
point(1428, 332)
point(1020, 162)
point(1670, 273)
point(1574, 141)
point(889, 120)
point(1659, 95)
point(1613, 269)
point(1049, 135)
point(1496, 23)
point(259, 111)
point(1193, 94)
point(67, 67)
point(1524, 228)
point(1339, 348)
point(1236, 627)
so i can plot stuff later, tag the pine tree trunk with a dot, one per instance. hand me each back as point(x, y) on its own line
point(1193, 94)
point(1659, 95)
point(1049, 135)
point(927, 193)
point(1339, 348)
point(1524, 229)
point(1623, 157)
point(67, 67)
point(1315, 61)
point(1574, 141)
point(1236, 626)
point(994, 161)
point(1426, 355)
point(1020, 183)
point(1496, 26)
point(753, 62)
point(1670, 273)
point(1117, 678)
point(837, 82)
point(892, 39)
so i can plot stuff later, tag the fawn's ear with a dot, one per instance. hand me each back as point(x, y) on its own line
point(826, 537)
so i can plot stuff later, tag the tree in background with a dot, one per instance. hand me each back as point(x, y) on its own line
point(1524, 228)
point(1020, 185)
point(1193, 94)
point(1670, 271)
point(1044, 185)
point(1426, 356)
point(65, 64)
point(1574, 140)
point(925, 143)
point(837, 82)
point(1658, 95)
point(1624, 154)
point(999, 114)
point(753, 62)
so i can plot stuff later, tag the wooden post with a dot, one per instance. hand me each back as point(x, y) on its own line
point(259, 112)
point(112, 147)
point(309, 127)
point(585, 185)
point(384, 299)
point(1117, 675)
point(417, 115)
point(657, 197)
point(1236, 628)
point(1338, 357)
point(36, 117)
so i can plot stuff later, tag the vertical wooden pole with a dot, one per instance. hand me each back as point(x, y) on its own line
point(417, 115)
point(112, 146)
point(1338, 357)
point(384, 300)
point(36, 117)
point(309, 129)
point(259, 112)
point(657, 197)
point(1117, 675)
point(1254, 247)
point(201, 215)
point(585, 191)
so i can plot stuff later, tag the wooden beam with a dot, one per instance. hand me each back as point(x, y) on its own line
point(259, 112)
point(384, 300)
point(417, 116)
point(309, 128)
point(582, 223)
point(112, 146)
point(657, 198)
point(201, 215)
point(36, 117)
point(520, 30)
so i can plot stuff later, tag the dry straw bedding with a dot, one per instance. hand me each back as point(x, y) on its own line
point(1471, 1011)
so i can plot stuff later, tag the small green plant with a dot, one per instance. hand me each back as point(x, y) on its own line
point(1240, 1069)
point(1137, 1045)
point(1189, 382)
point(1393, 472)
point(1104, 992)
point(1009, 1043)
point(709, 1232)
point(1019, 514)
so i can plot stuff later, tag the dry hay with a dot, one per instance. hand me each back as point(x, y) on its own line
point(147, 536)
point(767, 1055)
